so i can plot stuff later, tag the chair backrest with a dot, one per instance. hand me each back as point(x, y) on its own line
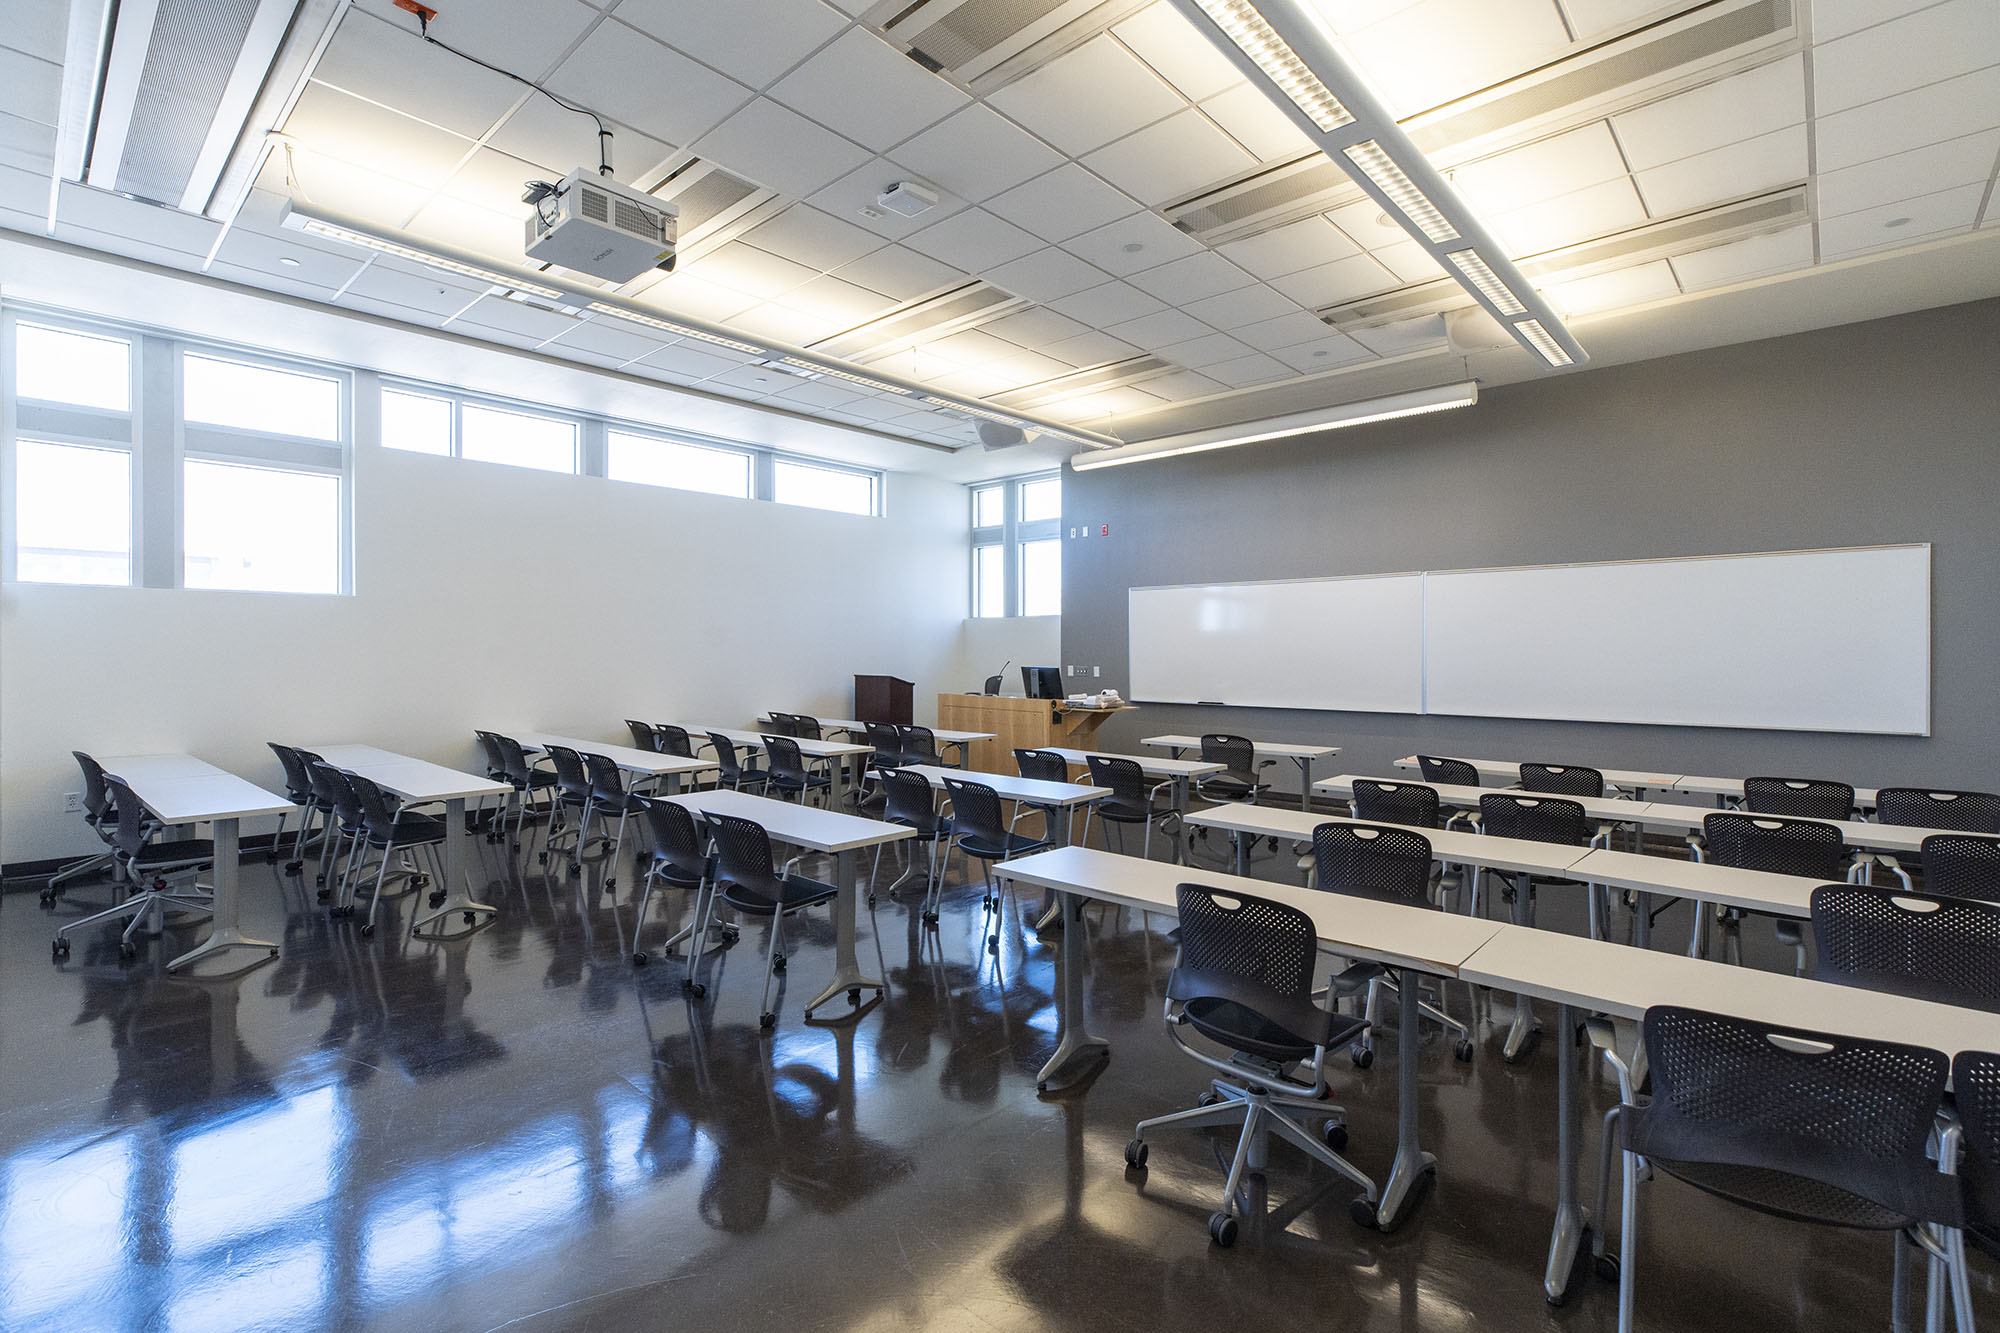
point(1391, 865)
point(787, 764)
point(607, 783)
point(1975, 1092)
point(298, 783)
point(514, 766)
point(674, 836)
point(806, 728)
point(331, 786)
point(888, 745)
point(377, 809)
point(725, 756)
point(1917, 944)
point(1781, 846)
point(1247, 939)
point(1963, 865)
point(743, 854)
point(1235, 753)
point(1506, 814)
point(496, 762)
point(96, 796)
point(130, 835)
point(1845, 1112)
point(975, 809)
point(673, 740)
point(1125, 779)
point(572, 775)
point(993, 685)
point(1926, 807)
point(642, 735)
point(1798, 798)
point(782, 724)
point(919, 745)
point(1395, 803)
point(909, 800)
point(1042, 765)
point(1455, 772)
point(1562, 780)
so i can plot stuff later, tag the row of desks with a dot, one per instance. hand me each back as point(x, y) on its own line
point(1634, 780)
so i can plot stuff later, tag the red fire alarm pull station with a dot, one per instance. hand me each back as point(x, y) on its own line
point(1104, 531)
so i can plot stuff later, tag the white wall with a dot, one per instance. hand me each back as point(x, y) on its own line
point(492, 597)
point(1022, 640)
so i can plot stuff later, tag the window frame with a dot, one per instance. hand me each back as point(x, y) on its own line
point(686, 440)
point(1012, 534)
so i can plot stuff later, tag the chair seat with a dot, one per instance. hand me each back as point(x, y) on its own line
point(937, 833)
point(1123, 812)
point(628, 804)
point(412, 831)
point(1244, 1029)
point(538, 778)
point(672, 874)
point(1782, 1194)
point(797, 891)
point(1230, 788)
point(986, 849)
point(184, 852)
point(810, 780)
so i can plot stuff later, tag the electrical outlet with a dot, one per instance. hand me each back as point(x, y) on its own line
point(73, 803)
point(1096, 671)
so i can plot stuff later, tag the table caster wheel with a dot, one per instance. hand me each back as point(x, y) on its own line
point(1222, 1229)
point(323, 895)
point(418, 881)
point(778, 963)
point(1606, 1266)
point(641, 959)
point(694, 988)
point(471, 917)
point(767, 1021)
point(993, 944)
point(436, 900)
point(542, 857)
point(47, 897)
point(1135, 1153)
point(1463, 1051)
point(1334, 1134)
point(59, 949)
point(731, 934)
point(610, 884)
point(293, 867)
point(1042, 1087)
point(1362, 1211)
point(127, 950)
point(1363, 1056)
point(1209, 1099)
point(319, 879)
point(854, 995)
point(367, 929)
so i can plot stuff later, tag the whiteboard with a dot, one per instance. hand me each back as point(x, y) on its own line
point(1353, 644)
point(1798, 641)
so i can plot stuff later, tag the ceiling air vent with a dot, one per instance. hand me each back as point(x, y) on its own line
point(963, 307)
point(715, 205)
point(1073, 385)
point(1270, 197)
point(987, 44)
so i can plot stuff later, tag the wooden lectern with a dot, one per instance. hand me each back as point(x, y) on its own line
point(1019, 724)
point(883, 699)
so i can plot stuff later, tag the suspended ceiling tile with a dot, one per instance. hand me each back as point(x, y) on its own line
point(615, 340)
point(1248, 370)
point(1190, 279)
point(826, 393)
point(524, 36)
point(378, 141)
point(1743, 106)
point(1908, 175)
point(1557, 165)
point(1133, 244)
point(1597, 19)
point(316, 265)
point(785, 323)
point(689, 294)
point(1247, 305)
point(1289, 248)
point(1109, 304)
point(496, 312)
point(1035, 327)
point(1404, 335)
point(1755, 257)
point(1175, 157)
point(395, 67)
point(689, 361)
point(1284, 331)
point(1046, 275)
point(1408, 261)
point(1251, 118)
point(1616, 290)
point(842, 304)
point(27, 145)
point(1435, 51)
point(805, 235)
point(1942, 42)
point(899, 273)
point(744, 268)
point(852, 199)
point(1062, 203)
point(494, 180)
point(1901, 223)
point(868, 91)
point(279, 282)
point(1088, 97)
point(1838, 18)
point(974, 241)
point(1207, 350)
point(1031, 367)
point(1183, 385)
point(29, 87)
point(413, 287)
point(1334, 284)
point(977, 154)
point(470, 227)
point(561, 141)
point(1327, 353)
point(103, 211)
point(1178, 53)
point(751, 40)
point(780, 149)
point(1946, 110)
point(1596, 211)
point(1159, 329)
point(1750, 167)
point(37, 28)
point(1091, 349)
point(619, 71)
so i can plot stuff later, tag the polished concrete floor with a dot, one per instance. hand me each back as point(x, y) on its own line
point(522, 1129)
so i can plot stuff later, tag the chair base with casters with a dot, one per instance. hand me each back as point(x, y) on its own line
point(799, 894)
point(90, 865)
point(169, 881)
point(934, 871)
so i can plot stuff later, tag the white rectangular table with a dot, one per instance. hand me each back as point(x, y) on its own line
point(1599, 809)
point(1180, 772)
point(1301, 755)
point(1603, 977)
point(419, 782)
point(1508, 772)
point(643, 763)
point(180, 789)
point(1727, 789)
point(849, 762)
point(1412, 938)
point(841, 835)
point(857, 731)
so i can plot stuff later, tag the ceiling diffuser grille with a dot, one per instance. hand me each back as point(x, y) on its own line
point(987, 44)
point(1270, 198)
point(188, 62)
point(1084, 381)
point(954, 311)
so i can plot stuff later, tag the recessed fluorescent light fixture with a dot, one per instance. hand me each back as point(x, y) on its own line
point(1390, 178)
point(675, 326)
point(863, 380)
point(1255, 38)
point(1537, 337)
point(315, 227)
point(1486, 280)
point(1415, 403)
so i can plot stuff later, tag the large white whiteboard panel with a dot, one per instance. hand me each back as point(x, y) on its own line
point(1804, 641)
point(1348, 643)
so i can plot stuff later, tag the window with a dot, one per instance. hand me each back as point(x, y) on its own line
point(1017, 547)
point(247, 396)
point(66, 366)
point(495, 435)
point(417, 422)
point(823, 487)
point(72, 513)
point(260, 529)
point(652, 461)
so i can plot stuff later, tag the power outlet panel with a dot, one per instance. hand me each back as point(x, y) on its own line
point(73, 803)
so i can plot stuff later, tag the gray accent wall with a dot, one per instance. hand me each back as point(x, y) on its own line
point(1880, 432)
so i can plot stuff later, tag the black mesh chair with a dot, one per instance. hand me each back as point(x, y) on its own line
point(1778, 846)
point(1922, 807)
point(1407, 803)
point(673, 740)
point(782, 724)
point(1975, 1095)
point(1792, 1123)
point(102, 820)
point(1798, 798)
point(1040, 766)
point(979, 826)
point(1562, 780)
point(496, 769)
point(807, 728)
point(678, 857)
point(1244, 984)
point(747, 878)
point(887, 745)
point(388, 828)
point(909, 800)
point(1453, 772)
point(299, 791)
point(571, 794)
point(919, 746)
point(1556, 819)
point(1131, 801)
point(1962, 865)
point(1388, 865)
point(1239, 780)
point(1915, 944)
point(642, 735)
point(608, 794)
point(789, 775)
point(735, 772)
point(344, 826)
point(526, 778)
point(160, 874)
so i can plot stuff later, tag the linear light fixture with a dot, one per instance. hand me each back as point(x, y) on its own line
point(1266, 39)
point(311, 218)
point(1415, 403)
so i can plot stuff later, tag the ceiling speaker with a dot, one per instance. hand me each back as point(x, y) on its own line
point(996, 435)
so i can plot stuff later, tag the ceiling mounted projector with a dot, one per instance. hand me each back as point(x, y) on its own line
point(591, 224)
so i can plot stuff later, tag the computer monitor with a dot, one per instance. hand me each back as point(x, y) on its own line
point(1042, 682)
